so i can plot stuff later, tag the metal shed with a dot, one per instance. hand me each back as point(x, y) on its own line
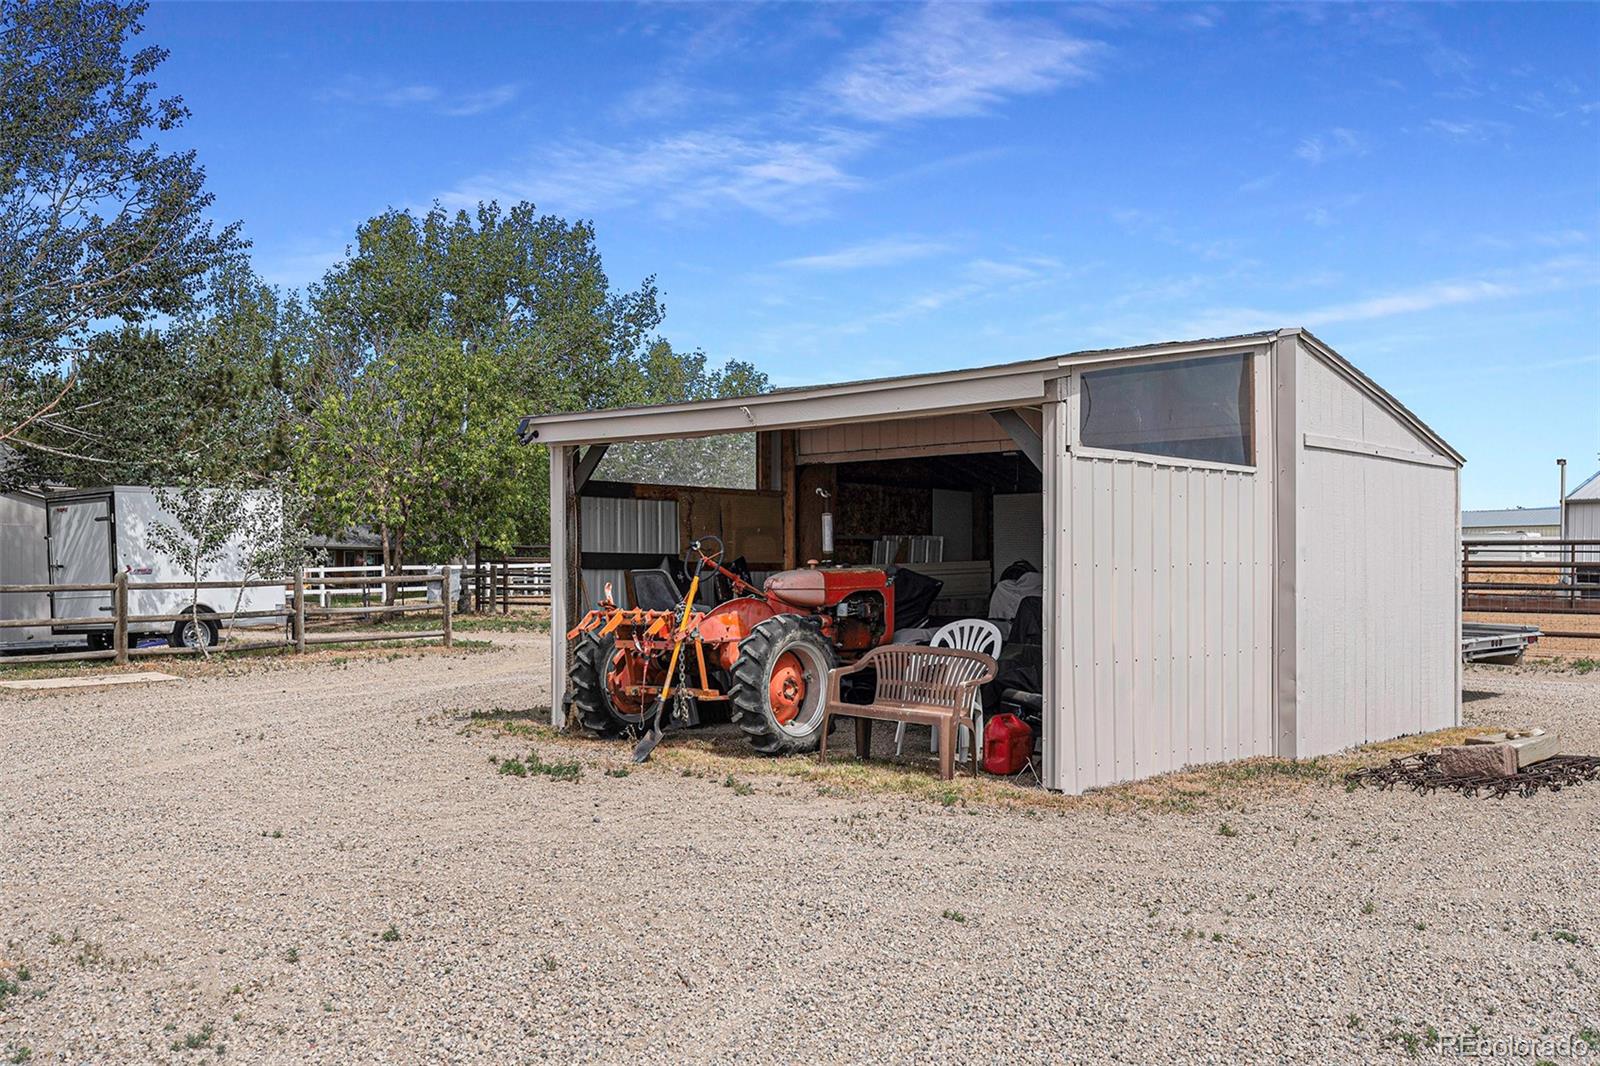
point(1248, 547)
point(1580, 518)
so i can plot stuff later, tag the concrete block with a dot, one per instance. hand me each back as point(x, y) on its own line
point(1531, 745)
point(1478, 760)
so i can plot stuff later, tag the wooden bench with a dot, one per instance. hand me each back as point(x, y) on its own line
point(917, 684)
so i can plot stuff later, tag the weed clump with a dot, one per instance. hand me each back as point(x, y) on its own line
point(535, 766)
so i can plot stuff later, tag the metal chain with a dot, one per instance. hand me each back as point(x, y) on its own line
point(680, 695)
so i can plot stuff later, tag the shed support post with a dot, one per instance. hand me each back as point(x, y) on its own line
point(119, 636)
point(563, 554)
point(1284, 356)
point(789, 486)
point(1056, 652)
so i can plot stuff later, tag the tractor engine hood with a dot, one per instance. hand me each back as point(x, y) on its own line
point(824, 587)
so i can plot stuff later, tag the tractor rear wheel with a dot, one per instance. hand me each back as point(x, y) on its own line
point(598, 668)
point(780, 683)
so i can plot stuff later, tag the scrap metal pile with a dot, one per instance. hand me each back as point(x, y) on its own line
point(1423, 773)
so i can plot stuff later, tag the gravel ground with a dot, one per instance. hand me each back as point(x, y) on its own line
point(319, 864)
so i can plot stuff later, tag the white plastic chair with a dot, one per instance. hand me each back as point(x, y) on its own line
point(968, 634)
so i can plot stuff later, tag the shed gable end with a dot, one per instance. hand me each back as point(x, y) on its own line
point(1334, 406)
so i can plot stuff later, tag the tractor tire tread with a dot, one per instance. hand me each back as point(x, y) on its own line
point(748, 691)
point(586, 682)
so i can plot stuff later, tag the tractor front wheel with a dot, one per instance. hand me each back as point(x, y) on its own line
point(780, 682)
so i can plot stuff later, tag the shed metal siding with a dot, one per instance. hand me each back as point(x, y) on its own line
point(1163, 595)
point(1167, 612)
point(627, 525)
point(1583, 523)
point(1377, 587)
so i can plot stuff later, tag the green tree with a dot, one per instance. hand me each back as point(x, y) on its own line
point(212, 399)
point(100, 228)
point(435, 336)
point(421, 446)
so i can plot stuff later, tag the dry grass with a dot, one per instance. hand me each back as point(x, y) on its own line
point(717, 755)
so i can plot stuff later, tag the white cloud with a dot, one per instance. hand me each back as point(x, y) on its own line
point(370, 92)
point(1550, 275)
point(1148, 225)
point(1337, 143)
point(887, 252)
point(786, 178)
point(1260, 184)
point(978, 279)
point(477, 103)
point(953, 60)
point(1468, 132)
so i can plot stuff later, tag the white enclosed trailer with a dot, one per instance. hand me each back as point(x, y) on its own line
point(23, 562)
point(91, 535)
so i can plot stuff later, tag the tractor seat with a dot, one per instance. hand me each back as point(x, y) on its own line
point(653, 590)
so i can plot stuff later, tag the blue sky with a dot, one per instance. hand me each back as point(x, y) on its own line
point(835, 191)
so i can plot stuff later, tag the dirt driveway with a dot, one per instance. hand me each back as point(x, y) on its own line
point(318, 863)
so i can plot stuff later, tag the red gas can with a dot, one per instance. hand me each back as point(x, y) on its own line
point(1007, 744)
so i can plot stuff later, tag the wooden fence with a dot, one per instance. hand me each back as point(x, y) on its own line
point(511, 581)
point(296, 612)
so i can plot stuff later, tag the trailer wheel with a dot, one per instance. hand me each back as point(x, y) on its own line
point(99, 641)
point(193, 633)
point(780, 682)
point(598, 668)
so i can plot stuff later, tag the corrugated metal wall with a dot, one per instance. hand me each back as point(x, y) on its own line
point(1161, 576)
point(1378, 641)
point(623, 524)
point(1165, 574)
point(1164, 609)
point(1583, 523)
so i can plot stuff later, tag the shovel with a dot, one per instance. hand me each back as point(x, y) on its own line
point(658, 710)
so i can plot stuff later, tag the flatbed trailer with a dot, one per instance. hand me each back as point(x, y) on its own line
point(1492, 642)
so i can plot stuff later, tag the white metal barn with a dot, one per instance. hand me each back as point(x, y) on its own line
point(1248, 547)
point(1580, 518)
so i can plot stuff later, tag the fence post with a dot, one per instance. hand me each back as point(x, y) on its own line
point(505, 588)
point(300, 610)
point(445, 604)
point(119, 639)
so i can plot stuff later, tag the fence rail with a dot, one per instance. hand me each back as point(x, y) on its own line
point(497, 584)
point(295, 612)
point(512, 581)
point(1533, 577)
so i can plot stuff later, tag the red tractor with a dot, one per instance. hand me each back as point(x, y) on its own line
point(766, 652)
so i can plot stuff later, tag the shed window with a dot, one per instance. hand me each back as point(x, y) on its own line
point(726, 461)
point(1187, 408)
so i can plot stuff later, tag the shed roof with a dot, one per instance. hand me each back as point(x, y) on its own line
point(1589, 490)
point(983, 388)
point(1511, 516)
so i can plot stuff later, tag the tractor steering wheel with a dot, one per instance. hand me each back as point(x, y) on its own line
point(708, 559)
